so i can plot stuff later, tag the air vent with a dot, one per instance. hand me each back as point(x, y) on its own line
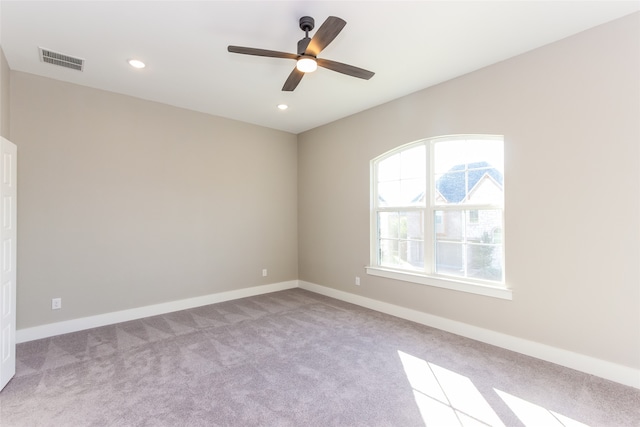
point(61, 60)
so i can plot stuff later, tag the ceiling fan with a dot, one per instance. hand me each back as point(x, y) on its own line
point(308, 50)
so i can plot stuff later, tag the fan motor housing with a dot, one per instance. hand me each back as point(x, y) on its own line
point(307, 23)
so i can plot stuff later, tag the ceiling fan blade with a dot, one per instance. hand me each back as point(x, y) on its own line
point(261, 52)
point(349, 70)
point(325, 35)
point(293, 80)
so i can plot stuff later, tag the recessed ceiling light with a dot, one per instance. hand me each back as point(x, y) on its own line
point(135, 63)
point(283, 106)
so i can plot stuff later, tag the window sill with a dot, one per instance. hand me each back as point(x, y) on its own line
point(441, 282)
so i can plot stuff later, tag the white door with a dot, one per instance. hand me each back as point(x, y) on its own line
point(8, 177)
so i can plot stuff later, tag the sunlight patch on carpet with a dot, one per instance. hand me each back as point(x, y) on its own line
point(534, 415)
point(445, 397)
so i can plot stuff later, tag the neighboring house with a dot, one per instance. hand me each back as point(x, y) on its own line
point(484, 182)
point(473, 184)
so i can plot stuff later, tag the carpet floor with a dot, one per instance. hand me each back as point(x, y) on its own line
point(295, 358)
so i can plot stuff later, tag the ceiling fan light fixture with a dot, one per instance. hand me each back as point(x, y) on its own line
point(136, 63)
point(306, 64)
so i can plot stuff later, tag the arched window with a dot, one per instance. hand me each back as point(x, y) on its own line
point(437, 210)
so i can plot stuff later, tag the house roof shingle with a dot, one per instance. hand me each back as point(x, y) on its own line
point(451, 185)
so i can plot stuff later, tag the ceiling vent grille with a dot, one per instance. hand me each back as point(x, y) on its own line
point(61, 60)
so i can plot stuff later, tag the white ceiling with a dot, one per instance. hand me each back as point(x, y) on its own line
point(409, 45)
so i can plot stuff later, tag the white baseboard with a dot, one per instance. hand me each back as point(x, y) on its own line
point(75, 325)
point(601, 368)
point(580, 362)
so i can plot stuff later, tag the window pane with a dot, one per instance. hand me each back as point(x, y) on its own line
point(410, 163)
point(389, 168)
point(389, 253)
point(484, 252)
point(402, 179)
point(438, 222)
point(412, 192)
point(411, 225)
point(468, 171)
point(411, 254)
point(450, 226)
point(401, 239)
point(482, 230)
point(471, 186)
point(484, 185)
point(405, 254)
point(466, 244)
point(450, 187)
point(388, 193)
point(484, 261)
point(449, 153)
point(449, 258)
point(403, 225)
point(388, 225)
point(414, 163)
point(497, 235)
point(408, 192)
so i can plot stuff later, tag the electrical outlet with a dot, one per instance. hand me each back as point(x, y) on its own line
point(264, 272)
point(357, 281)
point(56, 303)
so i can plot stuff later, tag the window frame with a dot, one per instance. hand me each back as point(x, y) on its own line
point(427, 275)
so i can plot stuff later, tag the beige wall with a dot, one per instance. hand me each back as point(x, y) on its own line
point(4, 95)
point(126, 203)
point(570, 116)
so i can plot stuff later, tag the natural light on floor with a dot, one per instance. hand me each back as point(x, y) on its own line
point(533, 415)
point(445, 398)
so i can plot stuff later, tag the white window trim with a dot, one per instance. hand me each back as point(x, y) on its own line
point(442, 282)
point(490, 289)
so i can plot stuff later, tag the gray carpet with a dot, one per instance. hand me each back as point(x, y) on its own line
point(294, 358)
